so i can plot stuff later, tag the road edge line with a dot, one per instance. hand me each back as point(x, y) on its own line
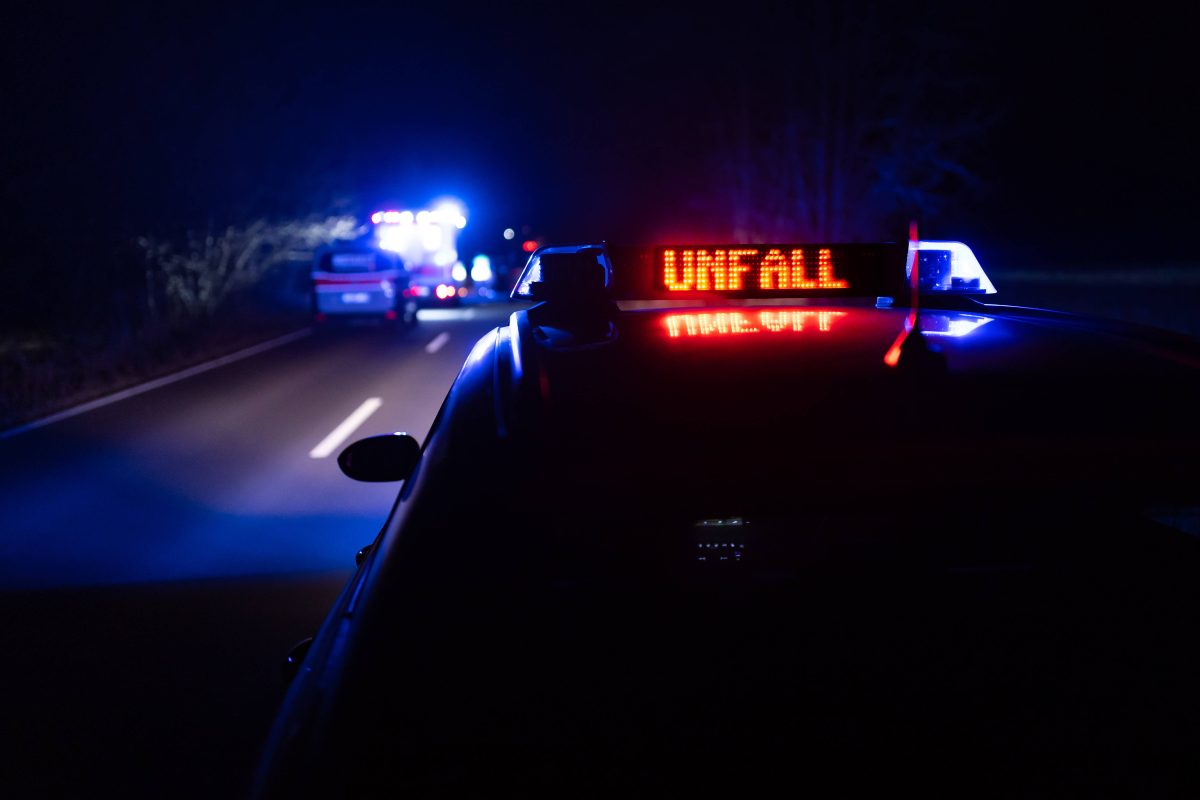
point(156, 383)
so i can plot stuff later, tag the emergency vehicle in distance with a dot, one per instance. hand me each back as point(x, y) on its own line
point(357, 281)
point(802, 517)
point(427, 241)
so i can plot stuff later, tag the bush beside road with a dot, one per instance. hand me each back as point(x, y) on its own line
point(41, 374)
point(157, 306)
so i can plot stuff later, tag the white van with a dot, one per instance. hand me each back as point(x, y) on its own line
point(362, 282)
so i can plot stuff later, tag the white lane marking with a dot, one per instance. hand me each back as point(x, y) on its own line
point(438, 342)
point(134, 391)
point(349, 425)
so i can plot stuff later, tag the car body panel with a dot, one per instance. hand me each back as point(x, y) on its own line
point(964, 540)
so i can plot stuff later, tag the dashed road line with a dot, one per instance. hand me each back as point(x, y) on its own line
point(349, 425)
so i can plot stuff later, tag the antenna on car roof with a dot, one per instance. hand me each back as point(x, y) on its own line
point(914, 251)
point(910, 346)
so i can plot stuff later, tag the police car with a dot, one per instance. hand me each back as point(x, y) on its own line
point(776, 519)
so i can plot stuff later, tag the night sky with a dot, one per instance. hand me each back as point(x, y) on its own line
point(155, 118)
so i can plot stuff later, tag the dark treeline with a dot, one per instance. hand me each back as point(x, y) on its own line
point(1043, 135)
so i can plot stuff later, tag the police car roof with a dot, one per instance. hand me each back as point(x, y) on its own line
point(762, 385)
point(580, 437)
point(812, 349)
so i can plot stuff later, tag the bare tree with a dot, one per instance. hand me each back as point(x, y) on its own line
point(200, 277)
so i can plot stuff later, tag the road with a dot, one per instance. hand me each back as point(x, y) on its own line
point(159, 555)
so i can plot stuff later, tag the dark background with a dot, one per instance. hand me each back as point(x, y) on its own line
point(1056, 140)
point(149, 119)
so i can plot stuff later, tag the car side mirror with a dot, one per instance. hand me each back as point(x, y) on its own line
point(378, 459)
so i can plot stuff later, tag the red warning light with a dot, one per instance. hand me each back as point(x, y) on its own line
point(529, 245)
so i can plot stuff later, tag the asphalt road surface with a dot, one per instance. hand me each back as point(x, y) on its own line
point(159, 555)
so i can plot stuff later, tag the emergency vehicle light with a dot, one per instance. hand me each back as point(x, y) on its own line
point(481, 268)
point(445, 214)
point(392, 218)
point(949, 268)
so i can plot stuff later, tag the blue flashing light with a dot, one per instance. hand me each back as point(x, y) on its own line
point(481, 268)
point(392, 239)
point(949, 268)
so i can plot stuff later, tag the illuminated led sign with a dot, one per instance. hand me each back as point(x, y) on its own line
point(778, 270)
point(735, 323)
point(773, 268)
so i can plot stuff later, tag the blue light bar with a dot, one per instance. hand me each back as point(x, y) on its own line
point(949, 268)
